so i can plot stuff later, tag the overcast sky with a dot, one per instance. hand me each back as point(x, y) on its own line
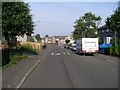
point(57, 18)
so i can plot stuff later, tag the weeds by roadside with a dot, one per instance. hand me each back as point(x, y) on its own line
point(15, 58)
point(11, 56)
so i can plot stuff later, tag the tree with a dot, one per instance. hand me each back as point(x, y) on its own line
point(32, 39)
point(38, 37)
point(113, 22)
point(67, 41)
point(112, 41)
point(46, 35)
point(86, 26)
point(100, 40)
point(16, 20)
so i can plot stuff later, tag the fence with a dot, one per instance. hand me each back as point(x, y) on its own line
point(34, 45)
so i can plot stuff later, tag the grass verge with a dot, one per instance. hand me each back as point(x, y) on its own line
point(15, 58)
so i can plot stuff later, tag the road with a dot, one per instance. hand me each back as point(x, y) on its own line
point(62, 68)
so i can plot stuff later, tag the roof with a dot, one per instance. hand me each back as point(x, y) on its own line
point(103, 27)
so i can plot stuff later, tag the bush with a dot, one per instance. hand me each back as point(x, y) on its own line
point(5, 56)
point(5, 43)
point(27, 47)
point(112, 49)
point(15, 58)
point(100, 40)
point(44, 46)
point(107, 51)
point(117, 41)
point(115, 51)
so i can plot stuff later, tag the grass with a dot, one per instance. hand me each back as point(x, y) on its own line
point(15, 58)
point(19, 53)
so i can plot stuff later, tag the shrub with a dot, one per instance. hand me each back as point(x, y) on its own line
point(5, 43)
point(100, 40)
point(107, 51)
point(117, 41)
point(5, 56)
point(44, 46)
point(15, 58)
point(112, 49)
point(115, 51)
point(27, 47)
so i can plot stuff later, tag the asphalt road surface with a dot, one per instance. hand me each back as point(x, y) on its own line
point(62, 68)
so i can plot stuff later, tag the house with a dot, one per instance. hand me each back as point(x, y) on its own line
point(105, 33)
point(62, 40)
point(23, 38)
point(59, 40)
point(70, 37)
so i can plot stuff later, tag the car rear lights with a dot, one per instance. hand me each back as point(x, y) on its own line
point(83, 50)
point(96, 50)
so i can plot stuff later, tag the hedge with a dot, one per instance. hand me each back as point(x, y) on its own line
point(114, 50)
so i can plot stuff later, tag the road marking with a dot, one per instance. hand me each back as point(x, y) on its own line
point(68, 53)
point(51, 53)
point(24, 78)
point(9, 86)
point(58, 54)
point(63, 53)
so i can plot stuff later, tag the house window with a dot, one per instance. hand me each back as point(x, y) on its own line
point(99, 31)
point(102, 31)
point(107, 30)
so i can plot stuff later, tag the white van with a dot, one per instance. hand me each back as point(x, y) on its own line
point(87, 45)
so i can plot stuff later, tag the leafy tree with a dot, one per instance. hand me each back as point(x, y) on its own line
point(38, 37)
point(86, 26)
point(113, 22)
point(67, 41)
point(100, 40)
point(46, 35)
point(117, 41)
point(16, 20)
point(32, 39)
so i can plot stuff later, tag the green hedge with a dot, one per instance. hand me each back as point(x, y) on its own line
point(114, 50)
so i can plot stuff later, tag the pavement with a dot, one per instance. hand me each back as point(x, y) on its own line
point(56, 67)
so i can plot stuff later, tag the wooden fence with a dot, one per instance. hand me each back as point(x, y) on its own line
point(35, 45)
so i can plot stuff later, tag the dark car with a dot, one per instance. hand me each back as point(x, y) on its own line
point(66, 46)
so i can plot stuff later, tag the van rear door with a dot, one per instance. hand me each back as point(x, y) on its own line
point(89, 45)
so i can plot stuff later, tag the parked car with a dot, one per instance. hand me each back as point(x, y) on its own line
point(44, 46)
point(66, 46)
point(73, 47)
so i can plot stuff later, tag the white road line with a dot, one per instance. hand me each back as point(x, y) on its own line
point(24, 78)
point(63, 53)
point(58, 54)
point(68, 53)
point(51, 53)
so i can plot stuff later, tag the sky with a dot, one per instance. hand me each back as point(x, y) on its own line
point(57, 18)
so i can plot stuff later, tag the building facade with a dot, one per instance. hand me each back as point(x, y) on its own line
point(59, 40)
point(23, 38)
point(105, 33)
